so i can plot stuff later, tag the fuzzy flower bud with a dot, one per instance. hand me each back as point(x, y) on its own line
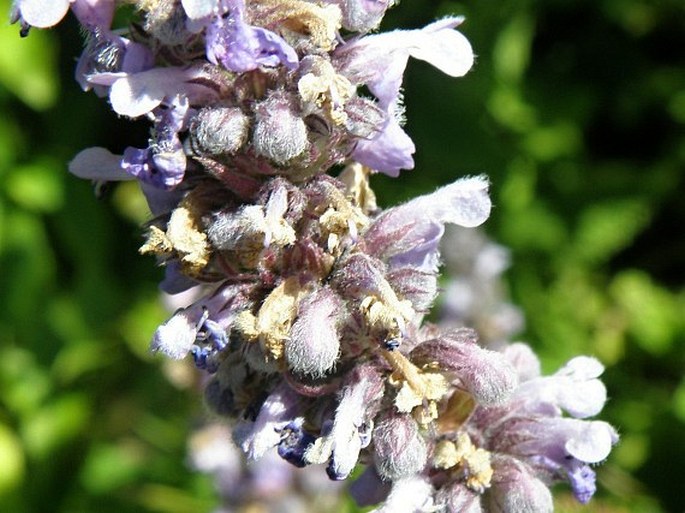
point(486, 374)
point(314, 342)
point(219, 130)
point(279, 133)
point(400, 450)
point(516, 490)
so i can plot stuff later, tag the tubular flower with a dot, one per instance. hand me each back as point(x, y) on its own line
point(308, 317)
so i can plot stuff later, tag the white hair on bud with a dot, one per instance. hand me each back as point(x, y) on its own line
point(279, 134)
point(314, 343)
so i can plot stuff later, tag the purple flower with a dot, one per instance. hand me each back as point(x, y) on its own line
point(163, 164)
point(379, 61)
point(410, 234)
point(136, 94)
point(188, 326)
point(530, 426)
point(241, 47)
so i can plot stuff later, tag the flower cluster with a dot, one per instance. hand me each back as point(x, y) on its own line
point(311, 298)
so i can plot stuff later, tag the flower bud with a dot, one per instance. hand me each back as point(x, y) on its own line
point(457, 498)
point(516, 490)
point(279, 133)
point(418, 286)
point(215, 131)
point(314, 343)
point(486, 374)
point(166, 22)
point(412, 494)
point(400, 450)
point(363, 15)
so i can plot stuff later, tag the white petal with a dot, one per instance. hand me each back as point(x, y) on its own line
point(581, 368)
point(445, 48)
point(139, 93)
point(42, 13)
point(98, 164)
point(465, 202)
point(524, 360)
point(592, 441)
point(583, 398)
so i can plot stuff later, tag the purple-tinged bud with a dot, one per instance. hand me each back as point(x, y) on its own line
point(237, 230)
point(409, 495)
point(363, 15)
point(418, 286)
point(359, 275)
point(410, 234)
point(279, 133)
point(400, 450)
point(516, 490)
point(220, 130)
point(455, 497)
point(314, 343)
point(486, 374)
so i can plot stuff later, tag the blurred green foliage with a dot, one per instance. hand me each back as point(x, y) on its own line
point(575, 109)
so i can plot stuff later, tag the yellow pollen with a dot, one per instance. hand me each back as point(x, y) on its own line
point(419, 391)
point(320, 23)
point(465, 459)
point(356, 179)
point(271, 326)
point(183, 238)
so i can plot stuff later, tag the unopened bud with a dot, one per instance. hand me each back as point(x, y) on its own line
point(516, 490)
point(279, 133)
point(314, 343)
point(400, 450)
point(362, 15)
point(486, 374)
point(219, 130)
